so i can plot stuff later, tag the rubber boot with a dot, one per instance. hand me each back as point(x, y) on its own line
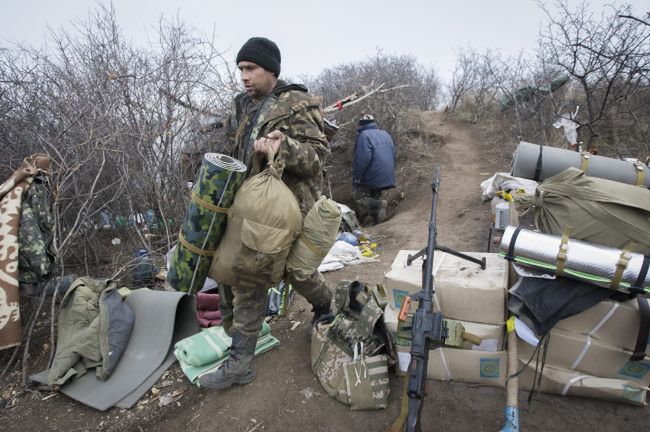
point(236, 370)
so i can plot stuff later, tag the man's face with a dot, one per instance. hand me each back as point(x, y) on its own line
point(258, 82)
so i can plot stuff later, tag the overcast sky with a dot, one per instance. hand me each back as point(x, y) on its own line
point(313, 35)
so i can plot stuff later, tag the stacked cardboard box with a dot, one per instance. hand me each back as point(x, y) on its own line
point(463, 292)
point(594, 348)
point(566, 382)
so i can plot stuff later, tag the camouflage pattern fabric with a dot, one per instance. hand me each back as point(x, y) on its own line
point(370, 208)
point(291, 110)
point(249, 309)
point(314, 289)
point(11, 194)
point(347, 356)
point(205, 221)
point(358, 381)
point(36, 258)
point(247, 313)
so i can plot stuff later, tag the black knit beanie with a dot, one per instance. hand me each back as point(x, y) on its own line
point(263, 52)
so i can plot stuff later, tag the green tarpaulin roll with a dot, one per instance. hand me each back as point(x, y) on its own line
point(205, 221)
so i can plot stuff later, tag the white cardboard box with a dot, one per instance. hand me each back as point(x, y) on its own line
point(583, 353)
point(615, 323)
point(566, 382)
point(462, 290)
point(476, 367)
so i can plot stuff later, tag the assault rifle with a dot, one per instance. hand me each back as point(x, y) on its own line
point(428, 329)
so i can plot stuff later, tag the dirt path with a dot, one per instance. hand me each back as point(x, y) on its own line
point(286, 396)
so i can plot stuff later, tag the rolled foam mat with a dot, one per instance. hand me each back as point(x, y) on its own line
point(555, 160)
point(161, 319)
point(205, 221)
point(587, 262)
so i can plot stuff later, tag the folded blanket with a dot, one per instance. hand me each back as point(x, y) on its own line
point(209, 315)
point(208, 318)
point(207, 301)
point(207, 346)
point(193, 373)
point(213, 343)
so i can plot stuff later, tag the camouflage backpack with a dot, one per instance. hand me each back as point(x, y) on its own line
point(351, 355)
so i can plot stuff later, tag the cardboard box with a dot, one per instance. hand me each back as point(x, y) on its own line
point(584, 353)
point(493, 335)
point(565, 382)
point(462, 290)
point(615, 323)
point(476, 367)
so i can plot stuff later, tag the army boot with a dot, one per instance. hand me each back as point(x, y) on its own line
point(322, 315)
point(236, 370)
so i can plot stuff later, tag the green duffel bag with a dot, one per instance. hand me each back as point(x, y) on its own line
point(263, 222)
point(319, 231)
point(350, 356)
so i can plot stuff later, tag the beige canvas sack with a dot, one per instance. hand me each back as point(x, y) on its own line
point(263, 223)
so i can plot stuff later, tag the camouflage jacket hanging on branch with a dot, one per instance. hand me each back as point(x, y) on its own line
point(36, 233)
point(350, 357)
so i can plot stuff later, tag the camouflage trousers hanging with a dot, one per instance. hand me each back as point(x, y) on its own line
point(243, 309)
point(370, 208)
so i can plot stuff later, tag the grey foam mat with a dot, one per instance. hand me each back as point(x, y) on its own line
point(161, 319)
point(555, 160)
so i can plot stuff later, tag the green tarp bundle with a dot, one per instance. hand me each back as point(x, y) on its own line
point(599, 211)
point(319, 231)
point(206, 351)
point(205, 221)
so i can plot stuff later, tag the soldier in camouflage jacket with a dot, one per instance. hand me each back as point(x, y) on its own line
point(289, 120)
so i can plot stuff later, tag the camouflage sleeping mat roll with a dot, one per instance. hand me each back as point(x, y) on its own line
point(205, 221)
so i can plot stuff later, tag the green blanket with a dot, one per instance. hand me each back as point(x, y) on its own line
point(206, 351)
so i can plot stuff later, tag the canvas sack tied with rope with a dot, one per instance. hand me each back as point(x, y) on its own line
point(263, 223)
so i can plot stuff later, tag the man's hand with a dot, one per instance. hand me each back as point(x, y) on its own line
point(272, 139)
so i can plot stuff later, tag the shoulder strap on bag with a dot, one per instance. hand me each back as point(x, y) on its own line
point(644, 311)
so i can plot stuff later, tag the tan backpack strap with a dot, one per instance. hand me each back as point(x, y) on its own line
point(192, 248)
point(316, 250)
point(203, 203)
point(585, 161)
point(640, 174)
point(621, 265)
point(562, 252)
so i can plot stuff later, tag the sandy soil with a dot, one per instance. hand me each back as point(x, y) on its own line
point(286, 395)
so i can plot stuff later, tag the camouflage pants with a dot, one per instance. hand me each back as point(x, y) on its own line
point(243, 309)
point(370, 207)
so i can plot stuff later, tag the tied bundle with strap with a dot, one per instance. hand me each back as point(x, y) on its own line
point(263, 223)
point(350, 357)
point(319, 231)
point(205, 221)
point(600, 211)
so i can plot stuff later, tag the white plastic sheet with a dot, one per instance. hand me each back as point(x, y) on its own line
point(500, 181)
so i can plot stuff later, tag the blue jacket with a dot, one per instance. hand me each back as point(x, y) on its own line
point(373, 166)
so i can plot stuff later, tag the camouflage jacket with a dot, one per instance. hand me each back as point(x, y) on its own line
point(294, 112)
point(36, 253)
